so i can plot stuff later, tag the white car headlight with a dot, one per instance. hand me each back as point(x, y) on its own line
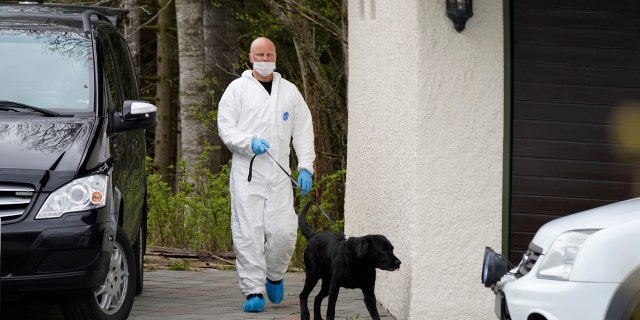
point(78, 195)
point(558, 261)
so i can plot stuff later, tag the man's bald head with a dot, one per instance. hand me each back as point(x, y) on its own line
point(263, 50)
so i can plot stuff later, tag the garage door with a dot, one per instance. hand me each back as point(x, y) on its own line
point(576, 110)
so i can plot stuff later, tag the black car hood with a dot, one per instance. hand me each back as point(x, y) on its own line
point(51, 144)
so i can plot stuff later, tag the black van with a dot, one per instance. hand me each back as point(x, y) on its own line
point(72, 160)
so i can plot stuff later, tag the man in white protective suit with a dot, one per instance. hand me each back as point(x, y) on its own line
point(261, 113)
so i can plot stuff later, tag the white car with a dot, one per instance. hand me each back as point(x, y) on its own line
point(582, 266)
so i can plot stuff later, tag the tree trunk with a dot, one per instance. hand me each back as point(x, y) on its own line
point(221, 57)
point(304, 45)
point(327, 111)
point(131, 31)
point(344, 33)
point(166, 130)
point(193, 95)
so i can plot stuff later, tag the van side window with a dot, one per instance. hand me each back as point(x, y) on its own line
point(112, 96)
point(127, 73)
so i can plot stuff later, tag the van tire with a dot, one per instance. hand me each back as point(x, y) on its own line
point(120, 282)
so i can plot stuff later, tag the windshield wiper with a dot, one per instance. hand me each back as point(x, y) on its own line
point(11, 105)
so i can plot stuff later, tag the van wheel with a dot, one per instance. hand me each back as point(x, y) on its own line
point(138, 252)
point(113, 299)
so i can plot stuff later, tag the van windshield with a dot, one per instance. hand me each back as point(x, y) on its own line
point(46, 70)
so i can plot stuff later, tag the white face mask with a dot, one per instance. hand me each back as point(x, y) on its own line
point(264, 68)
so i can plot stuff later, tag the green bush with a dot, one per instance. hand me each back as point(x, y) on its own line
point(329, 195)
point(195, 216)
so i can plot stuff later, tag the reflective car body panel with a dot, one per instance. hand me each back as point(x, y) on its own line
point(603, 271)
point(67, 96)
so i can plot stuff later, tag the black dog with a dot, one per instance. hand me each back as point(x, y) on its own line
point(350, 263)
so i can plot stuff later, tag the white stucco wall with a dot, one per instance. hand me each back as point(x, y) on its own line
point(425, 150)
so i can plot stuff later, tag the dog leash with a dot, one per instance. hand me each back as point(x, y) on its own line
point(295, 183)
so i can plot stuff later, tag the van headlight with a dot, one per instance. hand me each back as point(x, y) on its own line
point(558, 261)
point(78, 195)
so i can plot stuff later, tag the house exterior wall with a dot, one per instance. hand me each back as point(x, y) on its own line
point(425, 150)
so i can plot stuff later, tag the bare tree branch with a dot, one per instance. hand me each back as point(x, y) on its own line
point(316, 19)
point(152, 19)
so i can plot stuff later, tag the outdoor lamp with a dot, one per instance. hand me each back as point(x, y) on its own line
point(459, 11)
point(493, 267)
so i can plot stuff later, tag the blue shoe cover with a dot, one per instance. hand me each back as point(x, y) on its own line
point(254, 303)
point(275, 290)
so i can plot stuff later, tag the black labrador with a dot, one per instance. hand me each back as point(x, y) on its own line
point(340, 262)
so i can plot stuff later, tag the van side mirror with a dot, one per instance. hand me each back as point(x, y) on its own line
point(136, 115)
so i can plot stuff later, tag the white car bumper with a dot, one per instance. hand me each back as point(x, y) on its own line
point(555, 300)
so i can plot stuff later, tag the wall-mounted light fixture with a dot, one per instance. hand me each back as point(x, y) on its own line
point(459, 11)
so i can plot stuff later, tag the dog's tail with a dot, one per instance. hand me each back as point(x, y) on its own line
point(303, 224)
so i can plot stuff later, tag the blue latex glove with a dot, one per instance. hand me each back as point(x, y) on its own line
point(259, 146)
point(304, 181)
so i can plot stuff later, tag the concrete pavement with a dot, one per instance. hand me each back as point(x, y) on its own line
point(214, 294)
point(209, 294)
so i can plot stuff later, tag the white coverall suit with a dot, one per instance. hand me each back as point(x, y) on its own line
point(264, 207)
